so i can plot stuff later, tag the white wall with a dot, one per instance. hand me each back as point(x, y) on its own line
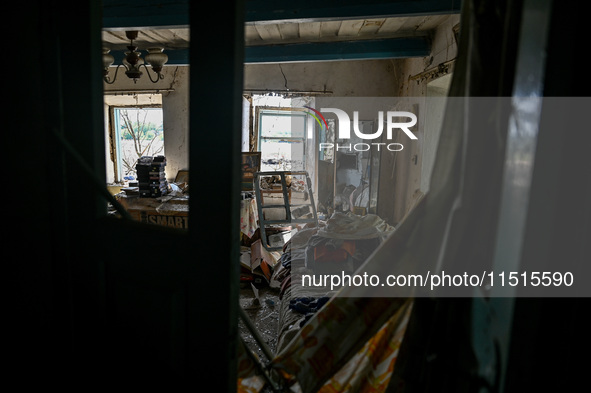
point(175, 112)
point(436, 99)
point(404, 185)
point(353, 78)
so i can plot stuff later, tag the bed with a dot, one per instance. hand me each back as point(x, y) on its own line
point(341, 244)
point(326, 341)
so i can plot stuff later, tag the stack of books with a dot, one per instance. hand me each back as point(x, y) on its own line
point(151, 176)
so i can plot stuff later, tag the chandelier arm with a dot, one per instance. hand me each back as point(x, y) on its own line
point(158, 75)
point(107, 79)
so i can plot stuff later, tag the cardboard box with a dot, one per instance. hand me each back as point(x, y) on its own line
point(172, 213)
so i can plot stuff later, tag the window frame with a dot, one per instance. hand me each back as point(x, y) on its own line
point(114, 135)
point(282, 111)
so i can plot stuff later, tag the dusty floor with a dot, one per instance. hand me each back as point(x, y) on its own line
point(264, 314)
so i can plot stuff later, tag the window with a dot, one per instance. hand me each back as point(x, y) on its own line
point(282, 139)
point(135, 132)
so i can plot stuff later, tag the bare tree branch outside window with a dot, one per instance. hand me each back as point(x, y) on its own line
point(139, 136)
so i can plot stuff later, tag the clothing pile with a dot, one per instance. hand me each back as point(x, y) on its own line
point(345, 242)
point(340, 244)
point(307, 306)
point(293, 257)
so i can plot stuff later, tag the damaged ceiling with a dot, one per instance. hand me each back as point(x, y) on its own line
point(313, 31)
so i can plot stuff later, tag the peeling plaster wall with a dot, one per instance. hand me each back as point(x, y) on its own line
point(175, 111)
point(400, 176)
point(353, 78)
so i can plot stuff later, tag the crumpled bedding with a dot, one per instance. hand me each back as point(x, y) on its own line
point(351, 226)
point(303, 309)
point(297, 259)
point(289, 319)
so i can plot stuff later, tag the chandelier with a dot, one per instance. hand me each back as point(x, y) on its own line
point(133, 61)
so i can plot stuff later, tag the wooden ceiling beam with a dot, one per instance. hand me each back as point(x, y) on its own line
point(390, 48)
point(339, 50)
point(143, 14)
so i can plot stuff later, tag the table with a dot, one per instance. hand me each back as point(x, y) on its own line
point(168, 211)
point(249, 217)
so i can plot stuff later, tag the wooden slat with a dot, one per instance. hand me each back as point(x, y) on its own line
point(392, 25)
point(115, 37)
point(289, 31)
point(339, 50)
point(268, 32)
point(431, 22)
point(370, 27)
point(159, 37)
point(251, 34)
point(180, 35)
point(414, 23)
point(167, 38)
point(350, 28)
point(262, 33)
point(310, 30)
point(329, 28)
